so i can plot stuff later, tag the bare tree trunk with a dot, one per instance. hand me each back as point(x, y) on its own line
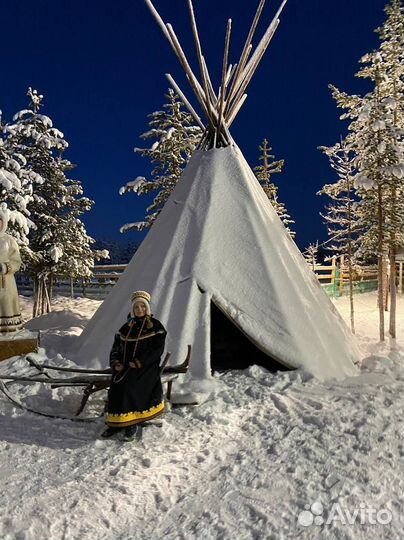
point(380, 264)
point(386, 281)
point(47, 303)
point(351, 294)
point(51, 279)
point(37, 296)
point(42, 302)
point(393, 290)
point(393, 294)
point(35, 291)
point(350, 256)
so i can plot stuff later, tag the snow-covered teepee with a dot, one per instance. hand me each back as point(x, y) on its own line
point(218, 246)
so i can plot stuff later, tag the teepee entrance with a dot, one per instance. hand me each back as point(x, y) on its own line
point(231, 349)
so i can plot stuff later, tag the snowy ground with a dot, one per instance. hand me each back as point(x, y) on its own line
point(270, 456)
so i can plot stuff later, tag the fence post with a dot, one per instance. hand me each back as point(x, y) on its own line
point(341, 276)
point(334, 276)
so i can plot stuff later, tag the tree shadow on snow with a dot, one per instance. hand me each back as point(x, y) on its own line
point(48, 432)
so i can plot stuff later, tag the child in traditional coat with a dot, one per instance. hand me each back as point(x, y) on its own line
point(136, 394)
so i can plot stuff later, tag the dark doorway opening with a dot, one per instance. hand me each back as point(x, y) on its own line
point(231, 349)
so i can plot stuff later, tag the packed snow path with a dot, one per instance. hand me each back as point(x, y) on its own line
point(245, 464)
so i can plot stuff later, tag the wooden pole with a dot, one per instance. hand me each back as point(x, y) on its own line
point(185, 101)
point(230, 73)
point(247, 73)
point(159, 20)
point(203, 68)
point(169, 33)
point(195, 84)
point(225, 134)
point(203, 139)
point(213, 97)
point(263, 44)
point(233, 87)
point(224, 73)
point(252, 65)
point(234, 111)
point(400, 277)
point(247, 47)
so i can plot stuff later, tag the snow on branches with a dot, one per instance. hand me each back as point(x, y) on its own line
point(376, 142)
point(176, 138)
point(46, 204)
point(264, 173)
point(16, 184)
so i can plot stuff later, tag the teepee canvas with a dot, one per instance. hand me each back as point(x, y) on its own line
point(219, 245)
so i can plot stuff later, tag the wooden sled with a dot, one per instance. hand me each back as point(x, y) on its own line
point(93, 380)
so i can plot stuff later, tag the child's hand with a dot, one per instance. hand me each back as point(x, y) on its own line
point(136, 364)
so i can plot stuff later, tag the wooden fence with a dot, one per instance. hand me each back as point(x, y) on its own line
point(334, 277)
point(104, 278)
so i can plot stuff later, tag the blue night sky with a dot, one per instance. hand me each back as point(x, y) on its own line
point(100, 65)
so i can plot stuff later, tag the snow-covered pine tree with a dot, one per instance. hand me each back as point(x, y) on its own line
point(264, 172)
point(175, 137)
point(340, 213)
point(59, 244)
point(377, 140)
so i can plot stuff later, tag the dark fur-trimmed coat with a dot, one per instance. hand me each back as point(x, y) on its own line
point(136, 391)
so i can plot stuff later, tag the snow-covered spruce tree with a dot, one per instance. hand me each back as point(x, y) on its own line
point(377, 140)
point(175, 138)
point(264, 172)
point(58, 245)
point(369, 133)
point(385, 68)
point(310, 254)
point(16, 184)
point(340, 214)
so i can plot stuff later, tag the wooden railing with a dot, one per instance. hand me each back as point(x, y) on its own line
point(104, 278)
point(335, 275)
point(108, 272)
point(326, 272)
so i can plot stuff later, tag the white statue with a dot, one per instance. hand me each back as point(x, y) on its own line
point(10, 262)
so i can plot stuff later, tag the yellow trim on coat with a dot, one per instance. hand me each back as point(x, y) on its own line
point(134, 417)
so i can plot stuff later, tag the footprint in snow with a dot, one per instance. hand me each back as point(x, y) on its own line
point(279, 403)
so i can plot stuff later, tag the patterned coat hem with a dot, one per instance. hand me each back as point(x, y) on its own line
point(135, 417)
